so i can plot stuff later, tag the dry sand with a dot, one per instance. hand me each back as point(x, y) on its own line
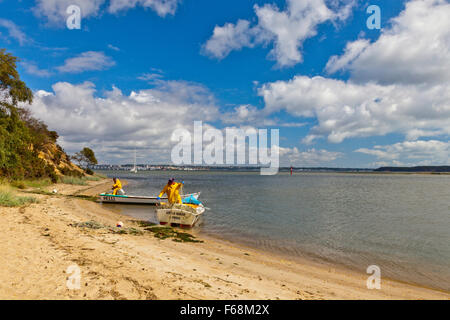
point(38, 244)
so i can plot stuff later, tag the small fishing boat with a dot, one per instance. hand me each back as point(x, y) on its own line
point(184, 215)
point(125, 199)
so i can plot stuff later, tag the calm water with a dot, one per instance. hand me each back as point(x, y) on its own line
point(399, 222)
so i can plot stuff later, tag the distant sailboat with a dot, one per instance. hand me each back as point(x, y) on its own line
point(134, 169)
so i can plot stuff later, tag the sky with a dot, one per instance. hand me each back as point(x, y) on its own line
point(341, 94)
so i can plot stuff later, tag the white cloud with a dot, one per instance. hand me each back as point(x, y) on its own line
point(150, 77)
point(228, 38)
point(311, 157)
point(87, 61)
point(110, 46)
point(117, 123)
point(247, 114)
point(14, 31)
point(287, 29)
point(399, 83)
point(345, 110)
point(416, 49)
point(161, 7)
point(55, 10)
point(412, 152)
point(352, 51)
point(32, 68)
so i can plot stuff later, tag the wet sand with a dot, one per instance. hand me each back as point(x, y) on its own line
point(39, 242)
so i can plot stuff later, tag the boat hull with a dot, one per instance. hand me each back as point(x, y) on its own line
point(179, 217)
point(109, 198)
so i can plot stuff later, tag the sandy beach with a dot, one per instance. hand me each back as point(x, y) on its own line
point(40, 241)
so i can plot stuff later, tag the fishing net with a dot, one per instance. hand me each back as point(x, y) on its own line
point(178, 206)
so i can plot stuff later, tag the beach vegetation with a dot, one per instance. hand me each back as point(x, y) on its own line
point(101, 176)
point(37, 183)
point(23, 139)
point(9, 198)
point(92, 178)
point(73, 180)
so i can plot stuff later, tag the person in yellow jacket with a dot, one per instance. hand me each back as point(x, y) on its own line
point(117, 187)
point(172, 189)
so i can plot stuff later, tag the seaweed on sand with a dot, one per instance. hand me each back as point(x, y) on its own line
point(132, 231)
point(95, 225)
point(89, 224)
point(168, 232)
point(143, 224)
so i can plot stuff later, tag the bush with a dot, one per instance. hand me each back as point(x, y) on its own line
point(72, 173)
point(89, 172)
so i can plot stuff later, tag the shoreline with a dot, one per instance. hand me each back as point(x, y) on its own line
point(123, 266)
point(316, 262)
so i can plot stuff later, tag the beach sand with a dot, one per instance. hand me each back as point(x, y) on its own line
point(39, 242)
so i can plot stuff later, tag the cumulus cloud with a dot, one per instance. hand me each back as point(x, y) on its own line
point(246, 115)
point(117, 123)
point(416, 49)
point(399, 83)
point(411, 152)
point(161, 7)
point(286, 29)
point(228, 38)
point(345, 110)
point(311, 157)
point(14, 31)
point(54, 11)
point(87, 61)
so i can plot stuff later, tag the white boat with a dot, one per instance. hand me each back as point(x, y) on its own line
point(134, 169)
point(119, 199)
point(179, 215)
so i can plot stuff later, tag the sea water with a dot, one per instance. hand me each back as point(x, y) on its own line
point(398, 222)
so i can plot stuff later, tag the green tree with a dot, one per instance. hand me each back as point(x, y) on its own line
point(85, 158)
point(12, 89)
point(19, 157)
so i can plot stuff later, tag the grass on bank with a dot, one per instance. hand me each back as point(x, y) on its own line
point(9, 198)
point(23, 184)
point(42, 183)
point(81, 181)
point(73, 180)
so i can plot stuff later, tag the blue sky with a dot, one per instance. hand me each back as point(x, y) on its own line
point(160, 65)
